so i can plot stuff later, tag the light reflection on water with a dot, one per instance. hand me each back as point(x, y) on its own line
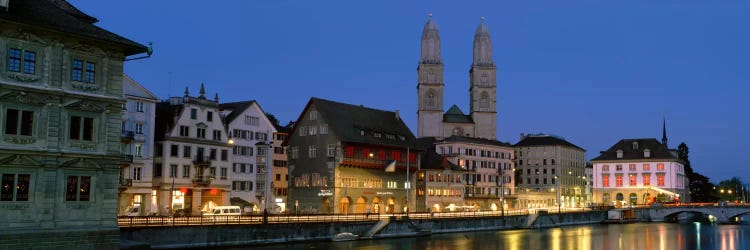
point(663, 236)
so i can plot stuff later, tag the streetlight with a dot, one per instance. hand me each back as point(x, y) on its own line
point(559, 206)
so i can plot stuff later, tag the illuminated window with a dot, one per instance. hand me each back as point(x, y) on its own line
point(605, 180)
point(660, 167)
point(660, 180)
point(646, 180)
point(631, 167)
point(646, 167)
point(78, 188)
point(632, 180)
point(618, 180)
point(15, 187)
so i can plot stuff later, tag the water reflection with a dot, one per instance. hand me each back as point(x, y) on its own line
point(630, 236)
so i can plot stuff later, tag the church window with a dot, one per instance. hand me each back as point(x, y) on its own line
point(484, 79)
point(430, 100)
point(431, 77)
point(484, 102)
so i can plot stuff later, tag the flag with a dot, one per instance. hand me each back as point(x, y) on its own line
point(391, 167)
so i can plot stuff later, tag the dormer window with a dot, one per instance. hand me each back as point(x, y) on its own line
point(377, 134)
point(646, 153)
point(619, 153)
point(635, 145)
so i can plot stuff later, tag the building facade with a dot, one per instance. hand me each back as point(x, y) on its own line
point(62, 95)
point(136, 195)
point(280, 168)
point(440, 182)
point(481, 122)
point(191, 160)
point(350, 159)
point(249, 130)
point(550, 172)
point(638, 171)
point(489, 180)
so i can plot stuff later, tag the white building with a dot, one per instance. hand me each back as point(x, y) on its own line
point(137, 147)
point(249, 129)
point(191, 159)
point(638, 171)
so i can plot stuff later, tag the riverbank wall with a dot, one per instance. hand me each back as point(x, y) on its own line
point(259, 234)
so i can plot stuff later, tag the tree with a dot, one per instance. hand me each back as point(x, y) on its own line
point(699, 186)
point(731, 190)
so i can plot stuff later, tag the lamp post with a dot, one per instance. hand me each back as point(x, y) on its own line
point(559, 207)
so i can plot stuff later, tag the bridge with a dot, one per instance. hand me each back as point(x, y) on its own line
point(722, 214)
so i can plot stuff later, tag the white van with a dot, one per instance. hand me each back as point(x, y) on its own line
point(223, 210)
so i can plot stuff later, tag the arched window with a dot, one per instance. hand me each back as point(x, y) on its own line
point(430, 101)
point(431, 77)
point(484, 79)
point(484, 102)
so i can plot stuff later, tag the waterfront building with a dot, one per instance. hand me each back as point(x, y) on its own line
point(488, 180)
point(137, 148)
point(639, 171)
point(588, 191)
point(481, 122)
point(440, 182)
point(347, 158)
point(280, 184)
point(551, 172)
point(249, 130)
point(191, 157)
point(61, 90)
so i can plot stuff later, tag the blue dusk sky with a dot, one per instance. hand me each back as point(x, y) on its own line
point(593, 72)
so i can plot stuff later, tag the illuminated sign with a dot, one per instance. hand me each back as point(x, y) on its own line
point(325, 192)
point(384, 193)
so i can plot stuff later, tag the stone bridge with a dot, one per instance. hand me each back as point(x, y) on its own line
point(723, 214)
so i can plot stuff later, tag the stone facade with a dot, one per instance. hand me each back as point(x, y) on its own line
point(549, 166)
point(137, 149)
point(192, 166)
point(482, 119)
point(61, 92)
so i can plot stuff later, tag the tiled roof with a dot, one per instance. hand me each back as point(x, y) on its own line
point(455, 115)
point(633, 152)
point(236, 109)
point(430, 159)
point(545, 140)
point(456, 138)
point(61, 16)
point(349, 121)
point(165, 117)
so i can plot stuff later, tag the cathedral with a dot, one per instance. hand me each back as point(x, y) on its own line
point(481, 122)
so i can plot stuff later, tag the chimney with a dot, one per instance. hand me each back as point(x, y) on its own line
point(523, 136)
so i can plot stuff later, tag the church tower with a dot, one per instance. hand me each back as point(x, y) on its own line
point(483, 85)
point(430, 83)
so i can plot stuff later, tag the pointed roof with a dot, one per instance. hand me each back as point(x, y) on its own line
point(455, 115)
point(130, 84)
point(235, 108)
point(483, 46)
point(632, 149)
point(61, 16)
point(664, 133)
point(482, 29)
point(430, 43)
point(430, 159)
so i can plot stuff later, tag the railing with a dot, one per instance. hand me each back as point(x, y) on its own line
point(202, 160)
point(127, 135)
point(126, 158)
point(202, 180)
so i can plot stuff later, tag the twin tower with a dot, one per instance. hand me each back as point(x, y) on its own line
point(481, 122)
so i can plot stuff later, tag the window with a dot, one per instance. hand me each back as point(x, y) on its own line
point(212, 154)
point(81, 74)
point(660, 167)
point(173, 170)
point(646, 180)
point(619, 153)
point(618, 167)
point(157, 170)
point(139, 128)
point(201, 133)
point(278, 177)
point(605, 168)
point(252, 120)
point(81, 128)
point(138, 150)
point(173, 150)
point(646, 153)
point(209, 116)
point(313, 115)
point(19, 122)
point(660, 180)
point(646, 167)
point(193, 114)
point(137, 173)
point(217, 135)
point(224, 154)
point(184, 131)
point(185, 171)
point(223, 173)
point(323, 129)
point(331, 150)
point(15, 187)
point(618, 180)
point(294, 152)
point(78, 188)
point(605, 180)
point(312, 151)
point(302, 131)
point(139, 106)
point(186, 151)
point(16, 56)
point(631, 167)
point(212, 172)
point(632, 180)
point(313, 130)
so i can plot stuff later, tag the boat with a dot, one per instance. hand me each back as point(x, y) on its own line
point(345, 236)
point(620, 216)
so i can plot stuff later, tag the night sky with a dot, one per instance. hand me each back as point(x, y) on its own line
point(593, 72)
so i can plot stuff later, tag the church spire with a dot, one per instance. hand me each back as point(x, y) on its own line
point(202, 92)
point(430, 43)
point(483, 46)
point(664, 133)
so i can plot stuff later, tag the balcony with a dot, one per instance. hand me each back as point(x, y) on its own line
point(127, 136)
point(202, 181)
point(126, 182)
point(202, 161)
point(126, 159)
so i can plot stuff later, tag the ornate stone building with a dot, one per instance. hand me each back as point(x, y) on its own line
point(61, 89)
point(481, 122)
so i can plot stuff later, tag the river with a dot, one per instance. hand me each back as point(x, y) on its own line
point(666, 236)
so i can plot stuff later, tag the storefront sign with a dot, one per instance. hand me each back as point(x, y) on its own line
point(384, 193)
point(325, 192)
